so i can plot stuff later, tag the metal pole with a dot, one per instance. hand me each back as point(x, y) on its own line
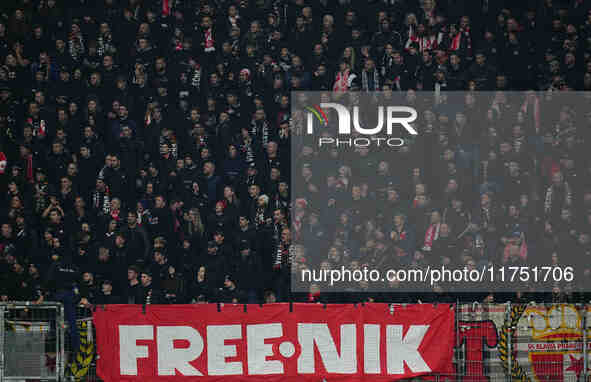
point(2, 334)
point(58, 356)
point(458, 352)
point(61, 327)
point(509, 344)
point(585, 355)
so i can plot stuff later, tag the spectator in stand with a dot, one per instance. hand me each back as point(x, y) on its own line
point(176, 126)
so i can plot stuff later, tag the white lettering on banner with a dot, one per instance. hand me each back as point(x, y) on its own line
point(258, 350)
point(319, 334)
point(371, 349)
point(218, 351)
point(401, 350)
point(129, 351)
point(171, 358)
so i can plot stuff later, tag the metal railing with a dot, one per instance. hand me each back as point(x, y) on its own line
point(494, 342)
point(521, 342)
point(32, 341)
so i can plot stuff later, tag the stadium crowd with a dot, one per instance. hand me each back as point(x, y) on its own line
point(146, 145)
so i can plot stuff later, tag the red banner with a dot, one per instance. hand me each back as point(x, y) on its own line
point(247, 343)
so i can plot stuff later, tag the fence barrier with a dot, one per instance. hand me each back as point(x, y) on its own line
point(31, 341)
point(494, 342)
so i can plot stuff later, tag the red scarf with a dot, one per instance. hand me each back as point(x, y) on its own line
point(209, 40)
point(341, 83)
point(297, 227)
point(165, 8)
point(42, 129)
point(432, 235)
point(401, 233)
point(456, 42)
point(2, 162)
point(30, 168)
point(424, 42)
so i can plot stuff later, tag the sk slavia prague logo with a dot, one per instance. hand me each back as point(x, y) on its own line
point(389, 116)
point(552, 339)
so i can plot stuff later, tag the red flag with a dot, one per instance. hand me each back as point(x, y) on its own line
point(311, 342)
